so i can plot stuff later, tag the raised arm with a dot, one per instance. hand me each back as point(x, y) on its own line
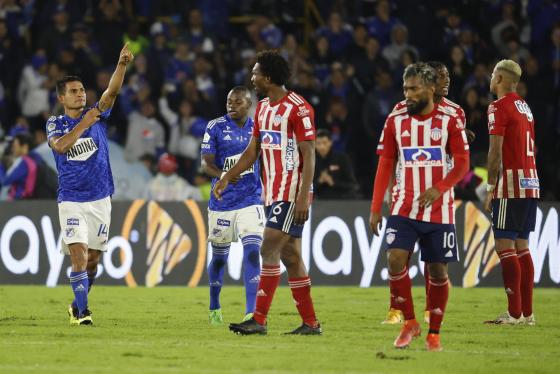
point(108, 98)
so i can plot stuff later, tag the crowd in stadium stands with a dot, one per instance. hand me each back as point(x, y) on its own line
point(190, 53)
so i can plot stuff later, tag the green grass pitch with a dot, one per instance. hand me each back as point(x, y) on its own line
point(165, 330)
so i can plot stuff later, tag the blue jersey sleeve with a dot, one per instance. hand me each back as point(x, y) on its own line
point(54, 127)
point(104, 116)
point(208, 145)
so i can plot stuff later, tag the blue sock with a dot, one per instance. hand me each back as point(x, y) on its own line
point(79, 283)
point(91, 281)
point(220, 253)
point(251, 269)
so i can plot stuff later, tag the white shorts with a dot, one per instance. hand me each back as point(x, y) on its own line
point(86, 222)
point(227, 226)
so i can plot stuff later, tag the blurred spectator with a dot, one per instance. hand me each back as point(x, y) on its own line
point(322, 59)
point(378, 104)
point(32, 93)
point(338, 123)
point(204, 185)
point(382, 23)
point(181, 140)
point(167, 185)
point(198, 36)
point(145, 135)
point(399, 44)
point(150, 163)
point(56, 35)
point(459, 70)
point(264, 33)
point(137, 43)
point(370, 63)
point(109, 28)
point(180, 66)
point(476, 119)
point(334, 176)
point(28, 176)
point(338, 33)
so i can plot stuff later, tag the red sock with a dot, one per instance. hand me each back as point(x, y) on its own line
point(437, 300)
point(301, 291)
point(427, 283)
point(527, 279)
point(401, 293)
point(511, 273)
point(270, 277)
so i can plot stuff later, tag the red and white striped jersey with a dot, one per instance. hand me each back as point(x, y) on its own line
point(422, 145)
point(511, 117)
point(445, 104)
point(280, 126)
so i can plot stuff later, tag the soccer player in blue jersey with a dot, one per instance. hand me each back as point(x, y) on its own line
point(239, 213)
point(79, 143)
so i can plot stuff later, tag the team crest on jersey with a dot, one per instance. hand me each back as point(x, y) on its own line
point(271, 139)
point(83, 149)
point(277, 120)
point(422, 156)
point(51, 126)
point(435, 134)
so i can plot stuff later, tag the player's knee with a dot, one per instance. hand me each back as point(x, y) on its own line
point(396, 261)
point(438, 270)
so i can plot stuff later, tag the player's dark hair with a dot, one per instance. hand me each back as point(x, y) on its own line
point(437, 65)
point(61, 83)
point(24, 139)
point(274, 66)
point(242, 90)
point(420, 69)
point(323, 133)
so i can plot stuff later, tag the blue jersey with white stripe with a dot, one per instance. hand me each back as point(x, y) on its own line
point(227, 141)
point(84, 173)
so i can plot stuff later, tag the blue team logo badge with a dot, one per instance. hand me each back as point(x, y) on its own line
point(422, 156)
point(271, 139)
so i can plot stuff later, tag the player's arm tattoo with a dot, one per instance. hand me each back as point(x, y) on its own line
point(494, 158)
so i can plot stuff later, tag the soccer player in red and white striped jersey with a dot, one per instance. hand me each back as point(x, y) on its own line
point(441, 91)
point(284, 136)
point(422, 209)
point(513, 189)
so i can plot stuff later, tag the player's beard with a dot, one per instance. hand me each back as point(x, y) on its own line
point(417, 107)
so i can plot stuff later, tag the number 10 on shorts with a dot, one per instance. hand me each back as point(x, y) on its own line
point(449, 240)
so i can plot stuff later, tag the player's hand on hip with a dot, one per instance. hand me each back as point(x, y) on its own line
point(219, 188)
point(427, 197)
point(126, 55)
point(375, 222)
point(302, 210)
point(235, 179)
point(470, 136)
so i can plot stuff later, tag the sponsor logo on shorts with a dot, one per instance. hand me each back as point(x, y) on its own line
point(390, 238)
point(529, 183)
point(73, 222)
point(449, 253)
point(223, 222)
point(70, 232)
point(216, 233)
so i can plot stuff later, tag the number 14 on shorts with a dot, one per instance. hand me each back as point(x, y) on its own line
point(102, 230)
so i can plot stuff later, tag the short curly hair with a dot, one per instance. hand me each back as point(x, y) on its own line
point(274, 66)
point(426, 73)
